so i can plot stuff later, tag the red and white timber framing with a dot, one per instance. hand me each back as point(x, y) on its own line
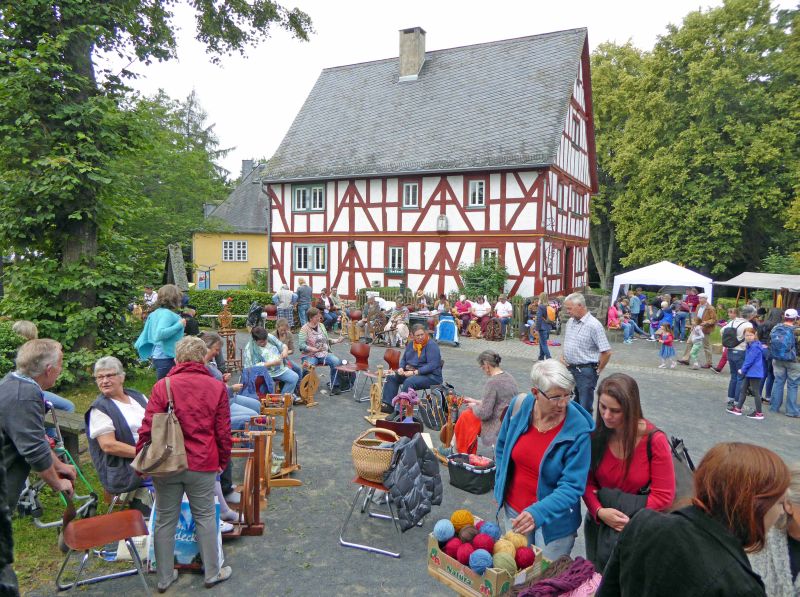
point(536, 220)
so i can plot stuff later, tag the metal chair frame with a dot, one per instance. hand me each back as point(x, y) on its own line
point(368, 489)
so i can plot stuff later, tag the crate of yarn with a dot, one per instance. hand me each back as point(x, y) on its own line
point(475, 558)
point(471, 472)
point(372, 456)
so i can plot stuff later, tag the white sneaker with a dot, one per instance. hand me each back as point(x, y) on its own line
point(662, 366)
point(224, 574)
point(225, 527)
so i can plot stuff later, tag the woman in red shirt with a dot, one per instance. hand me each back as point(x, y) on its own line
point(623, 478)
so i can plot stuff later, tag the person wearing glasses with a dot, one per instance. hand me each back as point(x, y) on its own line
point(623, 477)
point(543, 453)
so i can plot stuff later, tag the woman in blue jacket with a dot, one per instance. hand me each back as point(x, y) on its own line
point(543, 454)
point(162, 330)
point(420, 367)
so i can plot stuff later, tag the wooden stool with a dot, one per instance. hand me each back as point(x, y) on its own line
point(368, 489)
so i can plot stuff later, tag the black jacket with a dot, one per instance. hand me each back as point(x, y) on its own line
point(684, 553)
point(413, 480)
point(600, 538)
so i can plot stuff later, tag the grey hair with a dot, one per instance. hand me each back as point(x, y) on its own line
point(109, 363)
point(190, 349)
point(747, 311)
point(490, 358)
point(211, 338)
point(576, 298)
point(552, 373)
point(35, 356)
point(416, 327)
point(26, 329)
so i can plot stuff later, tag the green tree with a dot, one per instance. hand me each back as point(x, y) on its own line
point(61, 129)
point(706, 148)
point(487, 277)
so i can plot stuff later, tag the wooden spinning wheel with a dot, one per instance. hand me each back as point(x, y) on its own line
point(309, 386)
point(290, 464)
point(250, 503)
point(474, 329)
point(494, 330)
point(375, 396)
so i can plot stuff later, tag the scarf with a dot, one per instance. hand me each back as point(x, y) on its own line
point(421, 345)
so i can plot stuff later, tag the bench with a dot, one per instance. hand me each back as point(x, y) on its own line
point(72, 426)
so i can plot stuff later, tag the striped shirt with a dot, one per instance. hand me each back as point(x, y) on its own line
point(584, 340)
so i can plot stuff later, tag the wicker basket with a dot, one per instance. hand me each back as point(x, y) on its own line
point(370, 461)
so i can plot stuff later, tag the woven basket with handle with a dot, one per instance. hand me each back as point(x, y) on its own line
point(370, 461)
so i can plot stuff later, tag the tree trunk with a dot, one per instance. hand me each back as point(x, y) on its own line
point(602, 244)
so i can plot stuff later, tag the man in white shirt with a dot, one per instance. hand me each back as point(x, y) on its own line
point(150, 297)
point(503, 310)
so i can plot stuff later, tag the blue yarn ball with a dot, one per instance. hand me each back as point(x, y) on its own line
point(480, 560)
point(491, 529)
point(444, 530)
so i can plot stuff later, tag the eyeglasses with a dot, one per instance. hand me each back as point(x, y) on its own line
point(567, 398)
point(100, 378)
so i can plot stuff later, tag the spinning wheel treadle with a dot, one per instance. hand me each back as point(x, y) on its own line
point(474, 329)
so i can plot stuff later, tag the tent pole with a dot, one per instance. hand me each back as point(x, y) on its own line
point(738, 293)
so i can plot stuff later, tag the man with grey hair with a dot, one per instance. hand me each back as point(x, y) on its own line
point(586, 350)
point(24, 445)
point(745, 321)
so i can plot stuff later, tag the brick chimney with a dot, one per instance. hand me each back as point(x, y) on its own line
point(412, 53)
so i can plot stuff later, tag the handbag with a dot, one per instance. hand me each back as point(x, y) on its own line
point(684, 471)
point(165, 453)
point(464, 476)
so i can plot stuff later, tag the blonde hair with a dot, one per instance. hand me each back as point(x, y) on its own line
point(190, 349)
point(26, 329)
point(35, 356)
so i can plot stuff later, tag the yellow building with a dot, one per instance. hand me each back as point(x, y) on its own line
point(227, 260)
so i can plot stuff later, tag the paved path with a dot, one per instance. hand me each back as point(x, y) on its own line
point(299, 553)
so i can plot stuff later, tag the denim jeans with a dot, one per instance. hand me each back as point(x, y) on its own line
point(162, 367)
point(240, 415)
point(769, 375)
point(735, 362)
point(247, 402)
point(302, 308)
point(331, 360)
point(680, 325)
point(289, 379)
point(553, 550)
point(585, 383)
point(544, 349)
point(329, 319)
point(788, 372)
point(503, 324)
point(395, 384)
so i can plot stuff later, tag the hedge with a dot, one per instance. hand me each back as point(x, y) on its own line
point(209, 302)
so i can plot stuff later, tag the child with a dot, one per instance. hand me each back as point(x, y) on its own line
point(667, 352)
point(696, 338)
point(753, 373)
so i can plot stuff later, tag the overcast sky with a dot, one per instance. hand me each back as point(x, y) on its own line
point(253, 99)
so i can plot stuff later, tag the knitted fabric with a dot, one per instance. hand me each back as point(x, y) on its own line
point(577, 574)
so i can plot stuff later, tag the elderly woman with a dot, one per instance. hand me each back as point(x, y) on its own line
point(397, 327)
point(315, 345)
point(481, 312)
point(112, 426)
point(162, 330)
point(498, 391)
point(739, 494)
point(325, 306)
point(285, 300)
point(463, 311)
point(420, 367)
point(504, 311)
point(201, 406)
point(543, 453)
point(266, 349)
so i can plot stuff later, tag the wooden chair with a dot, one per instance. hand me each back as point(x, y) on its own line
point(88, 533)
point(392, 358)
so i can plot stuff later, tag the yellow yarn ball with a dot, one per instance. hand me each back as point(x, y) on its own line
point(517, 539)
point(505, 561)
point(504, 546)
point(461, 519)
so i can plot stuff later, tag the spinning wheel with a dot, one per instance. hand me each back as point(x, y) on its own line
point(375, 396)
point(474, 329)
point(309, 386)
point(494, 330)
point(281, 478)
point(252, 447)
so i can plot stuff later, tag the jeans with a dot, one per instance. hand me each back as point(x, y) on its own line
point(785, 371)
point(329, 319)
point(59, 403)
point(199, 488)
point(246, 402)
point(240, 415)
point(331, 360)
point(769, 375)
point(736, 360)
point(289, 379)
point(553, 550)
point(585, 383)
point(302, 309)
point(544, 349)
point(680, 325)
point(419, 382)
point(503, 324)
point(162, 367)
point(294, 367)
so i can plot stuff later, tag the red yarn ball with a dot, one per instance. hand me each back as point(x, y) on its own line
point(483, 541)
point(451, 547)
point(463, 553)
point(524, 557)
point(479, 524)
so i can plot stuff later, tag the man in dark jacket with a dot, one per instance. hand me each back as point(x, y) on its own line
point(413, 481)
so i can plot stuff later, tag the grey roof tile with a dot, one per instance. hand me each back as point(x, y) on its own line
point(245, 209)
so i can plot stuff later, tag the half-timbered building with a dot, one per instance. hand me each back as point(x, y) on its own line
point(400, 170)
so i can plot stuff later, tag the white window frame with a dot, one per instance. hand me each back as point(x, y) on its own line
point(317, 198)
point(396, 259)
point(410, 199)
point(241, 250)
point(301, 199)
point(314, 258)
point(228, 250)
point(487, 254)
point(308, 197)
point(476, 187)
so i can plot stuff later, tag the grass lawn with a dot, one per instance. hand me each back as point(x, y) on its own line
point(36, 553)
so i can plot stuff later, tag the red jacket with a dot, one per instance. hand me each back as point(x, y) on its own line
point(201, 405)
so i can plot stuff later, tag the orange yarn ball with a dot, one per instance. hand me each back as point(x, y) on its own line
point(504, 546)
point(461, 519)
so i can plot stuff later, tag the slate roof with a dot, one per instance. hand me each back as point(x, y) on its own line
point(245, 209)
point(491, 105)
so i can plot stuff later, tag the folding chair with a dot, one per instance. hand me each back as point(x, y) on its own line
point(368, 489)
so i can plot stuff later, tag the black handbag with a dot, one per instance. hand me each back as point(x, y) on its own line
point(474, 479)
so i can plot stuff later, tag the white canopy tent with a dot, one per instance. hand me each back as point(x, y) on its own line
point(663, 273)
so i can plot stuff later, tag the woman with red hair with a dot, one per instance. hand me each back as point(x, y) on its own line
point(701, 549)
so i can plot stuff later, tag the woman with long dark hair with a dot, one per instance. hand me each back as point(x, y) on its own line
point(625, 475)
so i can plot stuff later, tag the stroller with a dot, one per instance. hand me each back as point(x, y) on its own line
point(29, 503)
point(254, 314)
point(447, 330)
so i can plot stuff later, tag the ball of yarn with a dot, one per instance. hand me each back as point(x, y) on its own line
point(505, 561)
point(524, 557)
point(479, 524)
point(462, 518)
point(480, 560)
point(444, 530)
point(467, 534)
point(464, 552)
point(483, 541)
point(451, 547)
point(504, 546)
point(491, 529)
point(518, 539)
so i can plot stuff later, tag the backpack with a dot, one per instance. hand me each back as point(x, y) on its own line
point(730, 336)
point(782, 343)
point(684, 470)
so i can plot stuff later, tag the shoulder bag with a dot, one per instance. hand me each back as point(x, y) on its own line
point(164, 454)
